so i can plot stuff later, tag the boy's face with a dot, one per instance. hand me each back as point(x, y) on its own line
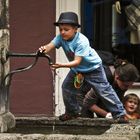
point(131, 105)
point(67, 31)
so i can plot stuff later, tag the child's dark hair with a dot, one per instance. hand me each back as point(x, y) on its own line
point(126, 71)
point(132, 96)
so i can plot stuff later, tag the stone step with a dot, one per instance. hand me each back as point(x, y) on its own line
point(51, 128)
point(15, 136)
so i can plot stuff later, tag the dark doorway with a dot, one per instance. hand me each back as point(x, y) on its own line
point(97, 23)
point(97, 26)
point(31, 25)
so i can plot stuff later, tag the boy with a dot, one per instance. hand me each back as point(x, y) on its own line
point(82, 59)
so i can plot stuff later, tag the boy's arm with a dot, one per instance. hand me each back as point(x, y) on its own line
point(98, 110)
point(77, 60)
point(91, 99)
point(101, 112)
point(47, 48)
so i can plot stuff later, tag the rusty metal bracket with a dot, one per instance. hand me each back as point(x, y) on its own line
point(5, 83)
point(6, 54)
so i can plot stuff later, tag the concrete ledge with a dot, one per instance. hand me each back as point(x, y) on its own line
point(55, 121)
point(7, 121)
point(64, 137)
point(50, 128)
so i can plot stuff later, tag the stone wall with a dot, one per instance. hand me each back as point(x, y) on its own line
point(6, 118)
point(4, 36)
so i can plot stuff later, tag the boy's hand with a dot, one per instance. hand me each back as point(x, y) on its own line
point(42, 49)
point(56, 65)
point(46, 48)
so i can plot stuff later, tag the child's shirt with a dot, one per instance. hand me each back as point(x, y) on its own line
point(79, 46)
point(133, 116)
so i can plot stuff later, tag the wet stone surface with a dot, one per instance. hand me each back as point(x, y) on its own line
point(50, 128)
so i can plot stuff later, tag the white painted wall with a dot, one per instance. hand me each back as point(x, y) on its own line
point(134, 89)
point(62, 6)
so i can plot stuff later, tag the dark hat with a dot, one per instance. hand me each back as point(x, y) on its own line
point(68, 18)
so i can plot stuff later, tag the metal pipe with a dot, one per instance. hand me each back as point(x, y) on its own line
point(37, 54)
point(13, 54)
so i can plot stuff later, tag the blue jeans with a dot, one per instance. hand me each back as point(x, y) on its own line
point(98, 81)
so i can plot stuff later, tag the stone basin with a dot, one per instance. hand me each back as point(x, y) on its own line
point(51, 128)
point(52, 125)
